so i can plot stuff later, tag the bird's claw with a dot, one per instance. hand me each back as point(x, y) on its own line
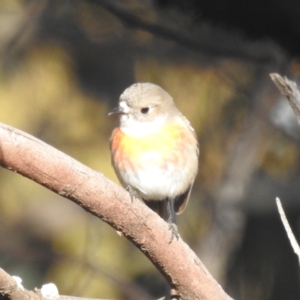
point(174, 230)
point(132, 192)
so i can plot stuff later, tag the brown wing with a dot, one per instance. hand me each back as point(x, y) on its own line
point(182, 200)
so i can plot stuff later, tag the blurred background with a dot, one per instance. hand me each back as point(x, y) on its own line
point(63, 65)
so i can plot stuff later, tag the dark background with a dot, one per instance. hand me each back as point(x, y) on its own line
point(64, 65)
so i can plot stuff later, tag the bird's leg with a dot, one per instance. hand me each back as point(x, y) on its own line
point(172, 219)
point(132, 192)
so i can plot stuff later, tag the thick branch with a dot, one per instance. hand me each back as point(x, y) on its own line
point(288, 89)
point(60, 173)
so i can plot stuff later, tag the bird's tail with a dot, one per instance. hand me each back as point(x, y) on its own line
point(161, 208)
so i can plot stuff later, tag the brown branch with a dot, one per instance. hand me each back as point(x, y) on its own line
point(9, 290)
point(30, 157)
point(288, 89)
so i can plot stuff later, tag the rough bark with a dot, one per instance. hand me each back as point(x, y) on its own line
point(288, 89)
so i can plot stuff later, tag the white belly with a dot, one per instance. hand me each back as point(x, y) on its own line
point(153, 183)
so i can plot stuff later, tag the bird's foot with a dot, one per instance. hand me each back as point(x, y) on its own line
point(132, 192)
point(174, 231)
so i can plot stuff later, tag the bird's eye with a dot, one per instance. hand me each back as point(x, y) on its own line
point(145, 110)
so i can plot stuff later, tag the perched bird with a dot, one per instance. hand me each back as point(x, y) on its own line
point(154, 150)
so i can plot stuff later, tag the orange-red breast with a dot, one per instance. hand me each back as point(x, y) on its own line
point(154, 150)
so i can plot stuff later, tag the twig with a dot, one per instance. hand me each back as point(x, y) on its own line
point(288, 229)
point(9, 290)
point(288, 89)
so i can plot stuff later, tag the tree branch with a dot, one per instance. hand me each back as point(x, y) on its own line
point(32, 158)
point(9, 290)
point(288, 89)
point(134, 21)
point(288, 228)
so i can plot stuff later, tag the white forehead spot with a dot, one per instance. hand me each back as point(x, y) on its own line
point(123, 105)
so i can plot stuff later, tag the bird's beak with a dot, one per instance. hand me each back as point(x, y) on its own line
point(116, 111)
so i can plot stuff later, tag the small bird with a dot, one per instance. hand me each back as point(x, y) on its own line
point(154, 150)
